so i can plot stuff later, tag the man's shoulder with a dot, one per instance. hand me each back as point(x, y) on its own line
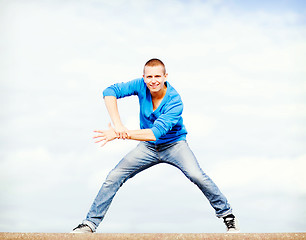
point(173, 94)
point(137, 81)
point(137, 85)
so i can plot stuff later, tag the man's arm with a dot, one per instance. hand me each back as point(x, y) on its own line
point(112, 108)
point(141, 135)
point(110, 134)
point(120, 131)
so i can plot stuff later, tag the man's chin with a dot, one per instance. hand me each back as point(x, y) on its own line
point(154, 89)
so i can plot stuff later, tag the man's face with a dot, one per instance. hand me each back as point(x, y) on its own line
point(155, 78)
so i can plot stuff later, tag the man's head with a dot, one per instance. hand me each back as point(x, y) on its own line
point(153, 63)
point(155, 76)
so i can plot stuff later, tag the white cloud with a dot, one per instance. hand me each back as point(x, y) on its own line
point(273, 58)
point(276, 111)
point(262, 174)
point(199, 124)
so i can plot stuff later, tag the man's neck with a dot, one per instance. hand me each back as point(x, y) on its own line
point(159, 95)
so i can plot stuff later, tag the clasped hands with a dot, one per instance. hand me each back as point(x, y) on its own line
point(110, 134)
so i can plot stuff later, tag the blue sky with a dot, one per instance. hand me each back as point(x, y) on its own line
point(271, 6)
point(239, 67)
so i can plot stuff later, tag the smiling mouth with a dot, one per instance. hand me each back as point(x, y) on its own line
point(154, 85)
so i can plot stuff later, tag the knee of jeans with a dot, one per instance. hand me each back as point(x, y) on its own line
point(197, 177)
point(113, 178)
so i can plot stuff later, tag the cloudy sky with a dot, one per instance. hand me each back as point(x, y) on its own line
point(239, 67)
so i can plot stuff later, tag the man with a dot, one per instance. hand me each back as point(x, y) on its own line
point(162, 137)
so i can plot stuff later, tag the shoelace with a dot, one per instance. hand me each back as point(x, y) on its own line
point(80, 226)
point(230, 222)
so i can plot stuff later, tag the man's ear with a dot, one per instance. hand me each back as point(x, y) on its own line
point(166, 76)
point(144, 79)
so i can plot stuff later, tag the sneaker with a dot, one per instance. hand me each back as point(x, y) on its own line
point(231, 224)
point(82, 228)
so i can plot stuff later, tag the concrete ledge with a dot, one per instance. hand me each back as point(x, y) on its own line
point(155, 236)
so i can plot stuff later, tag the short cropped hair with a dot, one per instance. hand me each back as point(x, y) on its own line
point(153, 63)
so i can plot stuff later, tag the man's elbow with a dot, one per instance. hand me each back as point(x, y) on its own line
point(152, 136)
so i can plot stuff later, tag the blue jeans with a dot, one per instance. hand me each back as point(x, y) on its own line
point(146, 155)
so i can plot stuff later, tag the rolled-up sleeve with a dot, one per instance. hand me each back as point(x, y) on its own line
point(120, 90)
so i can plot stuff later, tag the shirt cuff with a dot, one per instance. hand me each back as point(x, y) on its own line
point(156, 132)
point(109, 92)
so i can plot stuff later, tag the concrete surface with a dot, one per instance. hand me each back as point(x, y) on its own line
point(155, 236)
